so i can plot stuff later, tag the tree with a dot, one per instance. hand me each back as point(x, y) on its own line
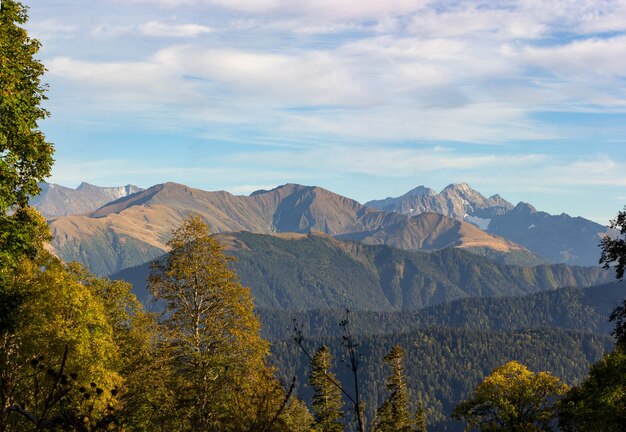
point(394, 414)
point(211, 337)
point(25, 156)
point(513, 398)
point(327, 402)
point(614, 254)
point(63, 327)
point(599, 403)
point(614, 249)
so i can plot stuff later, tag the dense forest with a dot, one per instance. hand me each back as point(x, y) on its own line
point(82, 353)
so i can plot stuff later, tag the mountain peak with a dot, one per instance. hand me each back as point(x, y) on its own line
point(459, 187)
point(523, 207)
point(84, 185)
point(421, 191)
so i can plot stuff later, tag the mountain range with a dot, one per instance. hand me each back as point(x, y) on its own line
point(135, 228)
point(557, 238)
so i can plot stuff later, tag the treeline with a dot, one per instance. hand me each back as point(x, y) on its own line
point(585, 309)
point(443, 365)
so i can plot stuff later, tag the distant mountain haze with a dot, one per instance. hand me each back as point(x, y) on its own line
point(455, 201)
point(56, 200)
point(562, 238)
point(134, 229)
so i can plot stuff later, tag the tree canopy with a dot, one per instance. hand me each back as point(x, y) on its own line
point(25, 156)
point(211, 338)
point(327, 403)
point(513, 398)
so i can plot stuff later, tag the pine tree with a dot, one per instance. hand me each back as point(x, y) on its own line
point(327, 402)
point(420, 418)
point(394, 414)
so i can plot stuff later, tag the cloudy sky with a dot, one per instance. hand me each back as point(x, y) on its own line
point(368, 98)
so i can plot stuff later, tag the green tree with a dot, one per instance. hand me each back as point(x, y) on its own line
point(599, 403)
point(420, 418)
point(614, 255)
point(513, 398)
point(394, 414)
point(25, 156)
point(614, 249)
point(211, 335)
point(327, 402)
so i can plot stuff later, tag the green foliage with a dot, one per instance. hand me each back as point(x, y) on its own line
point(443, 365)
point(394, 415)
point(614, 249)
point(25, 156)
point(599, 403)
point(317, 272)
point(327, 404)
point(513, 398)
point(569, 308)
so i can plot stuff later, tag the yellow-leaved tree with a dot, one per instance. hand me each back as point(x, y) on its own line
point(211, 338)
point(513, 398)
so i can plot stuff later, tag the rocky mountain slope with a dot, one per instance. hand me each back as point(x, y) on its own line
point(559, 239)
point(456, 201)
point(134, 229)
point(316, 271)
point(55, 200)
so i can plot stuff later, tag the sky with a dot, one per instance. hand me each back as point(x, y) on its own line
point(367, 98)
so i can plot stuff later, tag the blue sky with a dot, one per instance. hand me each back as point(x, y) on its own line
point(368, 98)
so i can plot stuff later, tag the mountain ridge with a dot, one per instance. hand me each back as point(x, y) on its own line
point(146, 219)
point(55, 200)
point(557, 238)
point(317, 271)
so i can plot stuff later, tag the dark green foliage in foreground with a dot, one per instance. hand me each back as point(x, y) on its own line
point(599, 403)
point(25, 156)
point(394, 415)
point(442, 365)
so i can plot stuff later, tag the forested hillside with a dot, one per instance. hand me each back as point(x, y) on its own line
point(583, 309)
point(318, 272)
point(443, 365)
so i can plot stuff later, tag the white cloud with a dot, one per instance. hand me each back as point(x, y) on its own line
point(323, 9)
point(587, 57)
point(160, 29)
point(48, 29)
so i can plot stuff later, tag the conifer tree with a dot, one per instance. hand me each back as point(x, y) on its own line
point(327, 402)
point(394, 415)
point(420, 418)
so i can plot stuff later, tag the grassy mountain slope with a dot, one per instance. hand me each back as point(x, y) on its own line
point(148, 217)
